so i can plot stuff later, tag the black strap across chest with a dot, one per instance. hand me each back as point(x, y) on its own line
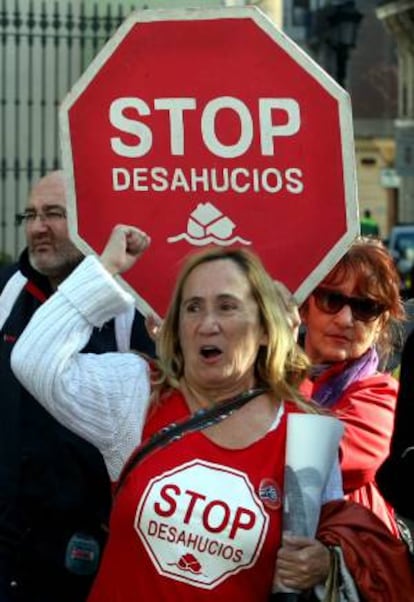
point(202, 419)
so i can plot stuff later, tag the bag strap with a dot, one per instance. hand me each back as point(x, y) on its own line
point(202, 419)
point(333, 581)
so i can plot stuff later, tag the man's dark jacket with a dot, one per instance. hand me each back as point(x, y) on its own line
point(53, 484)
point(395, 476)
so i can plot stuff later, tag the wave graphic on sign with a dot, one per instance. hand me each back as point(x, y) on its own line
point(207, 225)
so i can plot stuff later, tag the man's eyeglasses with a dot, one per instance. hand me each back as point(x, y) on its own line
point(53, 214)
point(331, 302)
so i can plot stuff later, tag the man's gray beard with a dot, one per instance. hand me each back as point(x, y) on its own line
point(57, 269)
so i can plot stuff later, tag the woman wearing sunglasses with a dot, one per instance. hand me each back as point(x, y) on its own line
point(349, 320)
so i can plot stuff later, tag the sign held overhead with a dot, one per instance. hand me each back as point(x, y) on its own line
point(210, 127)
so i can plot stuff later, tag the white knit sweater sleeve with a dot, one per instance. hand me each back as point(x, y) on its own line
point(103, 398)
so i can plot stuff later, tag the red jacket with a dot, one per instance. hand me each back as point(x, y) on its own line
point(367, 410)
point(378, 562)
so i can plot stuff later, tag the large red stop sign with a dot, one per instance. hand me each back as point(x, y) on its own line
point(210, 128)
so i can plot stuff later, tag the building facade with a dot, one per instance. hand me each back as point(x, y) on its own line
point(348, 40)
point(398, 18)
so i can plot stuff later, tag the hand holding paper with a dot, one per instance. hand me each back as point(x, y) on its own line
point(311, 450)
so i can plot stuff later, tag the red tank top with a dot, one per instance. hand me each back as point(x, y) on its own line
point(195, 521)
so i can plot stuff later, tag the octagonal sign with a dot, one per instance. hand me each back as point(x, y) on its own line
point(210, 128)
point(201, 523)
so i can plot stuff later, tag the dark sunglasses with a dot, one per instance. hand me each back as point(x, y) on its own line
point(331, 302)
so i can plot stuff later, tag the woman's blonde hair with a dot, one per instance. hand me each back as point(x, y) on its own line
point(281, 365)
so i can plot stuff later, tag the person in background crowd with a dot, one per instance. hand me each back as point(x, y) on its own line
point(54, 488)
point(348, 327)
point(369, 227)
point(197, 516)
point(395, 475)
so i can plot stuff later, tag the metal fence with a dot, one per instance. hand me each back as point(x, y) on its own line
point(44, 47)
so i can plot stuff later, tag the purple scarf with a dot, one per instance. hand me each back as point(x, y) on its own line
point(329, 393)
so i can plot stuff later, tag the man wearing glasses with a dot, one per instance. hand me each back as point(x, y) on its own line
point(54, 490)
point(50, 250)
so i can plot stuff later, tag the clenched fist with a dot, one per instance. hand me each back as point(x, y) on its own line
point(124, 246)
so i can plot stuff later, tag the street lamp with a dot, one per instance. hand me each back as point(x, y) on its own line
point(336, 26)
point(343, 22)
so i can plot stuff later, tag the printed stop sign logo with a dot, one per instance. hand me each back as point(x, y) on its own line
point(201, 523)
point(210, 128)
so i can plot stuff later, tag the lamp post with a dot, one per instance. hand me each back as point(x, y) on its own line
point(335, 27)
point(343, 22)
